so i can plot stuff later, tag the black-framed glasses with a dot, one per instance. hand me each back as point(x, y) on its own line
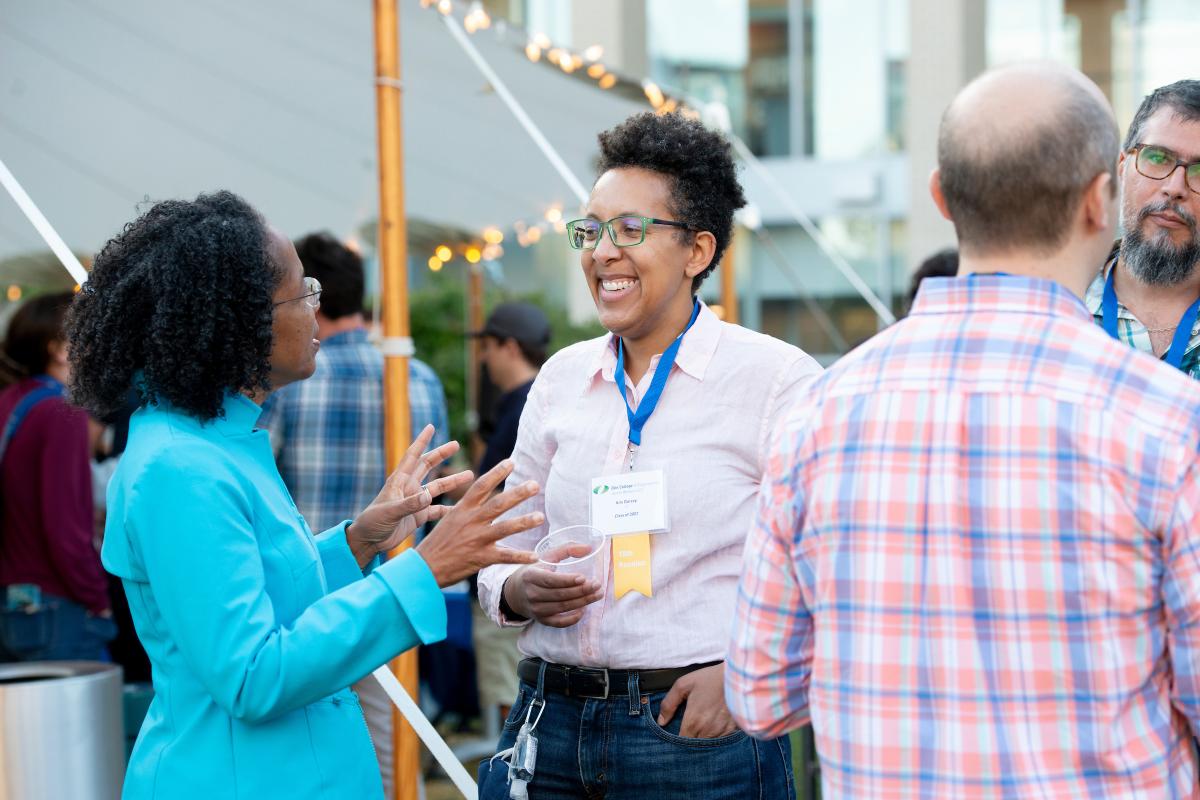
point(1159, 163)
point(311, 296)
point(625, 231)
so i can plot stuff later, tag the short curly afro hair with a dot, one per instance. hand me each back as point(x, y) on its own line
point(705, 191)
point(178, 306)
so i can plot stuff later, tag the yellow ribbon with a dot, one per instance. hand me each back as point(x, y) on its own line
point(631, 564)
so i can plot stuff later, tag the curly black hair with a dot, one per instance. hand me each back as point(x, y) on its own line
point(179, 307)
point(699, 163)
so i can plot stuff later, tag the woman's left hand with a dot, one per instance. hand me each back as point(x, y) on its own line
point(404, 504)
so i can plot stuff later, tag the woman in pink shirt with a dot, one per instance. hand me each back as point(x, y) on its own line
point(623, 689)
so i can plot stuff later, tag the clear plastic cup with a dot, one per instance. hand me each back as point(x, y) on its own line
point(574, 550)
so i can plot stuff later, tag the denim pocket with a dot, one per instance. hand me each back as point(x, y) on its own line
point(651, 704)
point(25, 634)
point(516, 714)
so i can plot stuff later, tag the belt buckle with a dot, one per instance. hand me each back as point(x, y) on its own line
point(605, 695)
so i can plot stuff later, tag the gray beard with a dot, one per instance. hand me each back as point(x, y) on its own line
point(1159, 262)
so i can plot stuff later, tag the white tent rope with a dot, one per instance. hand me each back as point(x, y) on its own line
point(813, 231)
point(42, 225)
point(429, 735)
point(460, 36)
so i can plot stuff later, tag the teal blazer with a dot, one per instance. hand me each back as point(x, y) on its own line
point(254, 627)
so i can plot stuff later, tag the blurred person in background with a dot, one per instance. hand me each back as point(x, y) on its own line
point(56, 604)
point(327, 431)
point(254, 626)
point(942, 264)
point(513, 347)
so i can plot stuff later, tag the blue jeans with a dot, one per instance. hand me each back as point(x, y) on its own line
point(61, 630)
point(614, 749)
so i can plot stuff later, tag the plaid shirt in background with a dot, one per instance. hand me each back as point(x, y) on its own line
point(327, 431)
point(1130, 329)
point(975, 560)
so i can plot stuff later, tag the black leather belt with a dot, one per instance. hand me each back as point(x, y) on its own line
point(601, 683)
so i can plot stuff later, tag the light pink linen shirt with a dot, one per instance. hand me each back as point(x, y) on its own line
point(709, 434)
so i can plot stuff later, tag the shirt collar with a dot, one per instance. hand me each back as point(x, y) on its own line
point(1094, 298)
point(997, 293)
point(240, 417)
point(695, 353)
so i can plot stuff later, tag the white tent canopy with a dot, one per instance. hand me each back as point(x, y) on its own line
point(108, 104)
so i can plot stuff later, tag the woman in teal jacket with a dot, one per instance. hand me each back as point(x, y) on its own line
point(254, 626)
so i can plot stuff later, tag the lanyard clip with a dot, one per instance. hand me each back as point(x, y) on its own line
point(633, 449)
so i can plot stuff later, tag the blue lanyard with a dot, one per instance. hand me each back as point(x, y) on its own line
point(637, 419)
point(1183, 333)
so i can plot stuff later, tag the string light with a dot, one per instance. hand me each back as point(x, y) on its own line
point(553, 214)
point(596, 71)
point(608, 81)
point(542, 41)
point(14, 293)
point(593, 53)
point(477, 19)
point(493, 236)
point(653, 93)
point(445, 7)
point(533, 52)
point(558, 56)
point(493, 252)
point(534, 235)
point(443, 253)
point(473, 255)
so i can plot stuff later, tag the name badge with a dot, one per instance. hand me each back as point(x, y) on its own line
point(630, 502)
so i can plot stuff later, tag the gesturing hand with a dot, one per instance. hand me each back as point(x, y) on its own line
point(403, 504)
point(464, 542)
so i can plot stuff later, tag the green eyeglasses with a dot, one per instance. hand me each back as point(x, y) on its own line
point(627, 231)
point(1158, 163)
point(311, 296)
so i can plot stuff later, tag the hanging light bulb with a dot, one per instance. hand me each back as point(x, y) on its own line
point(553, 214)
point(443, 252)
point(595, 71)
point(593, 53)
point(435, 263)
point(653, 93)
point(445, 7)
point(14, 293)
point(608, 81)
point(493, 236)
point(473, 255)
point(533, 52)
point(477, 19)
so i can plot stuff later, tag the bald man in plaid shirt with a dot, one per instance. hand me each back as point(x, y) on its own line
point(975, 559)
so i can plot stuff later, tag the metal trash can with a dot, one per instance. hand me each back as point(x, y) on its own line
point(60, 731)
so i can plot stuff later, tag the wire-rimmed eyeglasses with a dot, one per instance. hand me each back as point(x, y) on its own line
point(311, 296)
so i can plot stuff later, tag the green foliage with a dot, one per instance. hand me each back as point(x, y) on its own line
point(439, 325)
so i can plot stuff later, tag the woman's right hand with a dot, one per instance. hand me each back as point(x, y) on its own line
point(464, 541)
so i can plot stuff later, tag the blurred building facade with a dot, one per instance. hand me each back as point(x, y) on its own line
point(841, 101)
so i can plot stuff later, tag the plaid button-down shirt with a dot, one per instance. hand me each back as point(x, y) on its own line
point(327, 431)
point(974, 561)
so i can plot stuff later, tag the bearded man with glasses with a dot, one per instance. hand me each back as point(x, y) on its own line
point(1148, 292)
